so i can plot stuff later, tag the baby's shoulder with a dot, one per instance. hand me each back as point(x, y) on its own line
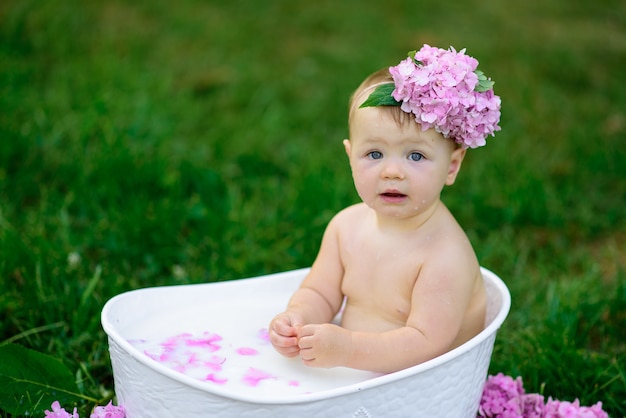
point(358, 209)
point(350, 217)
point(354, 213)
point(450, 247)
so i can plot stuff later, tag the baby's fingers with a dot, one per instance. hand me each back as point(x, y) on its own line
point(289, 351)
point(287, 346)
point(283, 326)
point(306, 341)
point(307, 330)
point(282, 341)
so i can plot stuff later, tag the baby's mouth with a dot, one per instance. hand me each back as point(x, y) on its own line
point(393, 194)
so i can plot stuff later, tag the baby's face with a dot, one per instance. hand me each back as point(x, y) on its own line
point(399, 170)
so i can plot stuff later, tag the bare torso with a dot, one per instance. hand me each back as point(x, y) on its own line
point(382, 269)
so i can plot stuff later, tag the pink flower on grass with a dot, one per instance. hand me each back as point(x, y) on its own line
point(58, 412)
point(498, 397)
point(504, 397)
point(531, 405)
point(562, 409)
point(108, 411)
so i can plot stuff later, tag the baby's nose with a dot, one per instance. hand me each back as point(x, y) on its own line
point(392, 170)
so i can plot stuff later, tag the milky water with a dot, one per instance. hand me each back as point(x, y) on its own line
point(226, 345)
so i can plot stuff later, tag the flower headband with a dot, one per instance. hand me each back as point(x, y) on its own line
point(445, 91)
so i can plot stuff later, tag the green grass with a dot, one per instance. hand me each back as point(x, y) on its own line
point(200, 141)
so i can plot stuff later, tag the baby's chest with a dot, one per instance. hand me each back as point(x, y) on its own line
point(381, 272)
point(391, 278)
point(380, 264)
point(384, 286)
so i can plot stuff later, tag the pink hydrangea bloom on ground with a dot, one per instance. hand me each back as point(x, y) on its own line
point(531, 405)
point(58, 412)
point(108, 411)
point(561, 409)
point(501, 397)
point(504, 397)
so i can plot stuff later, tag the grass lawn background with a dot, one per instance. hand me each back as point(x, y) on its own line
point(151, 143)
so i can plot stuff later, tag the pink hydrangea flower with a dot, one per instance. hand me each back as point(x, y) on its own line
point(108, 411)
point(441, 89)
point(531, 405)
point(58, 412)
point(504, 397)
point(562, 409)
point(498, 398)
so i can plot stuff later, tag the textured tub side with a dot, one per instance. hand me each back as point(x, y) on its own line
point(451, 390)
point(449, 386)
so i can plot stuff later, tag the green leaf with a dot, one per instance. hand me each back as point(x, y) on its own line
point(381, 96)
point(484, 83)
point(30, 381)
point(411, 55)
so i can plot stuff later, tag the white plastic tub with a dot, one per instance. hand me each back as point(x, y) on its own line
point(447, 386)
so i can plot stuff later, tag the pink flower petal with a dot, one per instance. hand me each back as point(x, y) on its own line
point(247, 351)
point(254, 376)
point(212, 378)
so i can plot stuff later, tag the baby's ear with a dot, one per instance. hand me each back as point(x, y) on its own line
point(348, 146)
point(455, 165)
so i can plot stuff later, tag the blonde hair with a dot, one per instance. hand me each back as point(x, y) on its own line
point(368, 85)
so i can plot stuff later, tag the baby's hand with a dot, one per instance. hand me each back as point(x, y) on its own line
point(324, 345)
point(284, 333)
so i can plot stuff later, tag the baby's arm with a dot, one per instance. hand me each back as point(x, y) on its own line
point(317, 300)
point(328, 345)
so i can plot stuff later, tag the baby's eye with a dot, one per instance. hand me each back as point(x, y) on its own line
point(415, 156)
point(375, 155)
